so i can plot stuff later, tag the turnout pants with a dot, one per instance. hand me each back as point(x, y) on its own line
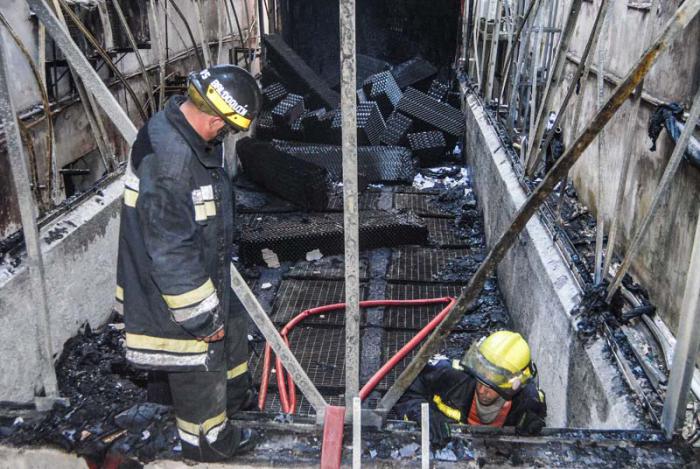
point(204, 400)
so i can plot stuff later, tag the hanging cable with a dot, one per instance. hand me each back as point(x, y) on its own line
point(240, 35)
point(135, 48)
point(105, 56)
point(200, 58)
point(44, 98)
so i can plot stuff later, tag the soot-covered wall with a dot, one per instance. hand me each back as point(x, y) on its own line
point(391, 30)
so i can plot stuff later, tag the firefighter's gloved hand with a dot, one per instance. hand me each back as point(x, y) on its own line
point(530, 424)
point(439, 429)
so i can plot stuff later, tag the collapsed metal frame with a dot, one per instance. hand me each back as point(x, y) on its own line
point(688, 341)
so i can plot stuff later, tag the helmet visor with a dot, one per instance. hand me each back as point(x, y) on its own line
point(505, 382)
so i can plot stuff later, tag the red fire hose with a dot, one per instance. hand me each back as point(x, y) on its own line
point(285, 384)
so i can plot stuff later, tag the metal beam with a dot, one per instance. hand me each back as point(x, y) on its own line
point(661, 191)
point(268, 330)
point(685, 13)
point(495, 39)
point(28, 214)
point(92, 81)
point(202, 35)
point(348, 107)
point(687, 346)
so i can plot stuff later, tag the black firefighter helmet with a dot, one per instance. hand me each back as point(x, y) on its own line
point(226, 91)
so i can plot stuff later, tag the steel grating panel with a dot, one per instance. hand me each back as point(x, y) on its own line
point(415, 72)
point(295, 296)
point(328, 268)
point(366, 201)
point(289, 177)
point(273, 94)
point(299, 77)
point(304, 408)
point(433, 113)
point(375, 164)
point(292, 237)
point(415, 317)
point(418, 264)
point(442, 232)
point(421, 204)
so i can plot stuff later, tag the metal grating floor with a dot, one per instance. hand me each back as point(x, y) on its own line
point(366, 201)
point(415, 317)
point(328, 268)
point(418, 264)
point(441, 232)
point(420, 204)
point(295, 296)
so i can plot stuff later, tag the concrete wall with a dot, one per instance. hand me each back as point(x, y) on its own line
point(662, 263)
point(583, 386)
point(79, 251)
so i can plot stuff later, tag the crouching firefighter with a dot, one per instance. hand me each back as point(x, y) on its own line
point(493, 385)
point(176, 236)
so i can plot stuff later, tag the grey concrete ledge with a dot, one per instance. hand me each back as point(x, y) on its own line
point(584, 387)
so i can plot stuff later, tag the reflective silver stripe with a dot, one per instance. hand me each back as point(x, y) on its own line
point(212, 436)
point(187, 438)
point(163, 359)
point(205, 307)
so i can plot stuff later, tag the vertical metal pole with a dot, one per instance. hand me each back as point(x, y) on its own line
point(425, 435)
point(485, 8)
point(630, 138)
point(356, 433)
point(600, 219)
point(202, 35)
point(533, 76)
point(495, 39)
point(160, 50)
point(687, 346)
point(28, 213)
point(348, 106)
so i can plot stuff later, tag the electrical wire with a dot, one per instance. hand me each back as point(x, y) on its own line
point(44, 98)
point(105, 56)
point(200, 58)
point(240, 34)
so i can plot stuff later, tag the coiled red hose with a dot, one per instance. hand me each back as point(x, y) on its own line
point(285, 384)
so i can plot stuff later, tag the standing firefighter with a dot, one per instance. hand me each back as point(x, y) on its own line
point(175, 243)
point(493, 385)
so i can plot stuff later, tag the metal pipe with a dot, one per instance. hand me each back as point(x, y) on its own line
point(202, 36)
point(684, 15)
point(495, 39)
point(160, 47)
point(687, 345)
point(240, 34)
point(661, 191)
point(27, 210)
point(200, 58)
point(348, 107)
point(510, 56)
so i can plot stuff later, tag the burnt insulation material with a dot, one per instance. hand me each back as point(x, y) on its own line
point(433, 113)
point(288, 110)
point(370, 123)
point(366, 66)
point(273, 94)
point(428, 147)
point(382, 89)
point(291, 237)
point(378, 164)
point(438, 90)
point(416, 73)
point(298, 76)
point(289, 177)
point(397, 128)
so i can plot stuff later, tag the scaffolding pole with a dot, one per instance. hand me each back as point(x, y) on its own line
point(684, 15)
point(687, 346)
point(348, 107)
point(28, 215)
